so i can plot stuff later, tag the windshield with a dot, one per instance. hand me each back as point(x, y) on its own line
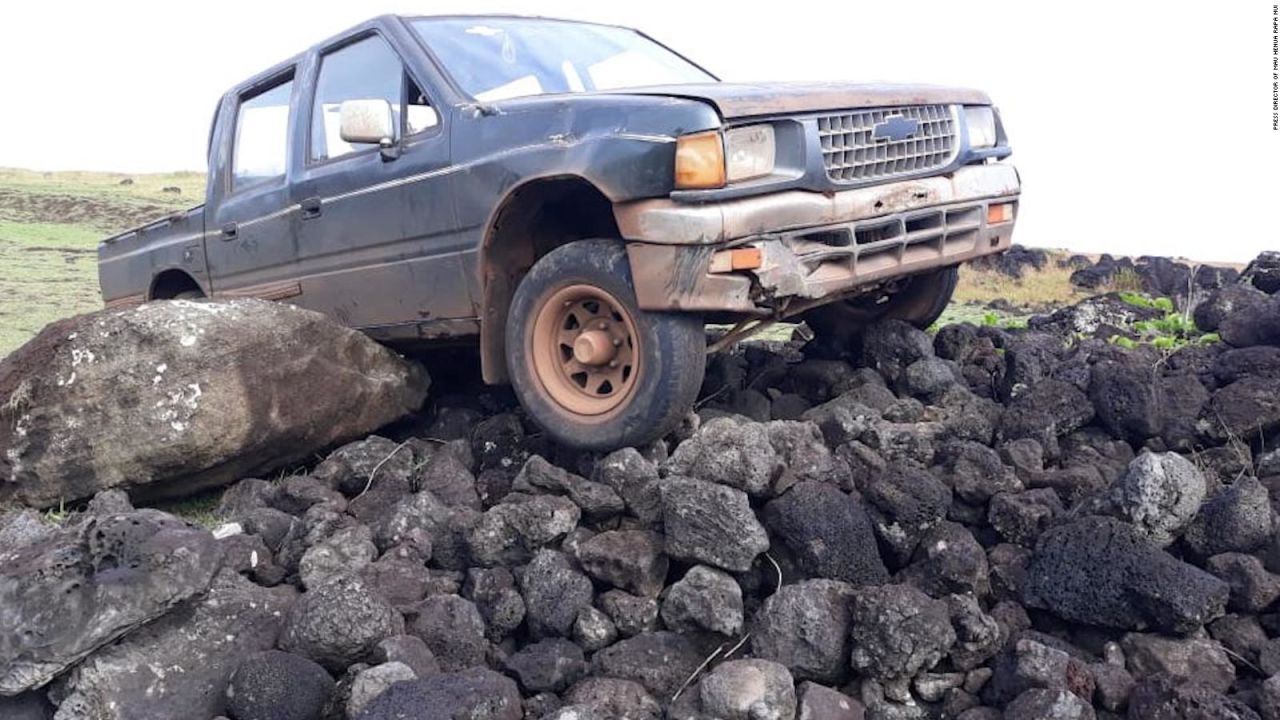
point(499, 58)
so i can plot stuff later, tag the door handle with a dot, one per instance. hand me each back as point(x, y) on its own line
point(230, 231)
point(310, 208)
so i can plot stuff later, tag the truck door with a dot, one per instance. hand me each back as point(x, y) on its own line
point(377, 245)
point(250, 239)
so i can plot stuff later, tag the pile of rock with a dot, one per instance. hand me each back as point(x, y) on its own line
point(983, 524)
point(1154, 275)
point(1015, 262)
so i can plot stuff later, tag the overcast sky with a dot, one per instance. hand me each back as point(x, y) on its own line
point(1138, 127)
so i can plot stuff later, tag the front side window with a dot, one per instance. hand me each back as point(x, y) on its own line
point(261, 142)
point(367, 69)
point(498, 58)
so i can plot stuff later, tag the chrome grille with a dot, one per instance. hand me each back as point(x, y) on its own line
point(852, 152)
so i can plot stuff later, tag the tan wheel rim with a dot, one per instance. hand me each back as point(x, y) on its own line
point(584, 350)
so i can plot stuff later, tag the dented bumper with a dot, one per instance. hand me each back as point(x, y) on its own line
point(809, 246)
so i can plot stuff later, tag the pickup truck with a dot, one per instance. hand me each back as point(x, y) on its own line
point(578, 201)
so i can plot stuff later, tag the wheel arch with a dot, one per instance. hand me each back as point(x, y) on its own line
point(167, 284)
point(532, 219)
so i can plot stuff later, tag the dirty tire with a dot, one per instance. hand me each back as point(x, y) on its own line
point(921, 302)
point(589, 366)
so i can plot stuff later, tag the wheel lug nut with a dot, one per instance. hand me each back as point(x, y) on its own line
point(603, 325)
point(617, 342)
point(613, 363)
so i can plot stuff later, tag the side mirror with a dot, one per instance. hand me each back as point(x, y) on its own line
point(367, 121)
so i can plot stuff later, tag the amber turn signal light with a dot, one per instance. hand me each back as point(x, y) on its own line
point(700, 161)
point(1001, 213)
point(744, 258)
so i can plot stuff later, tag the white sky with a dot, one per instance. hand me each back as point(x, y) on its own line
point(1138, 127)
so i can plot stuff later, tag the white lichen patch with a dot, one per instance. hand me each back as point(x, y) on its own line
point(176, 409)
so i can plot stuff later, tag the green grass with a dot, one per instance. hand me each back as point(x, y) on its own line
point(199, 509)
point(50, 225)
point(50, 272)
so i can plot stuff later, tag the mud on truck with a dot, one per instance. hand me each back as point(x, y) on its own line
point(578, 201)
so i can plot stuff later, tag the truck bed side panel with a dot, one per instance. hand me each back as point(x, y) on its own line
point(130, 261)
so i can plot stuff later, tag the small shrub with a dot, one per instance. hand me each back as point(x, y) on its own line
point(1126, 280)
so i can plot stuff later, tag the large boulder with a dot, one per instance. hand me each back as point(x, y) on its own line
point(180, 665)
point(1101, 571)
point(172, 396)
point(89, 584)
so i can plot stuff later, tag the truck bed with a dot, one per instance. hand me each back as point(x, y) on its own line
point(128, 261)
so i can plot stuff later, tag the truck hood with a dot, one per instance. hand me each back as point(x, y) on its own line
point(741, 100)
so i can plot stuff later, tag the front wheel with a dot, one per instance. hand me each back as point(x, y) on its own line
point(920, 300)
point(588, 365)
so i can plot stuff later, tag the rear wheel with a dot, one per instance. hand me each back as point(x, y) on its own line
point(920, 300)
point(587, 364)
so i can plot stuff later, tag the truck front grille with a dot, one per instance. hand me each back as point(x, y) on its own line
point(877, 144)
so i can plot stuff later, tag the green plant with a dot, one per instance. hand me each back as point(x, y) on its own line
point(1142, 300)
point(57, 516)
point(1124, 342)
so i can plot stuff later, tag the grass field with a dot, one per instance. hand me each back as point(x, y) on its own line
point(50, 225)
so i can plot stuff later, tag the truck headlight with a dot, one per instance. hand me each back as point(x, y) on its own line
point(700, 161)
point(711, 159)
point(981, 120)
point(749, 152)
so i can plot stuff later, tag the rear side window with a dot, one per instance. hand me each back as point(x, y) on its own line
point(262, 135)
point(367, 69)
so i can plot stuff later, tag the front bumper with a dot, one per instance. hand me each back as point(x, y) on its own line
point(812, 245)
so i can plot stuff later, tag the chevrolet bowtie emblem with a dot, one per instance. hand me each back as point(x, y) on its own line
point(896, 127)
